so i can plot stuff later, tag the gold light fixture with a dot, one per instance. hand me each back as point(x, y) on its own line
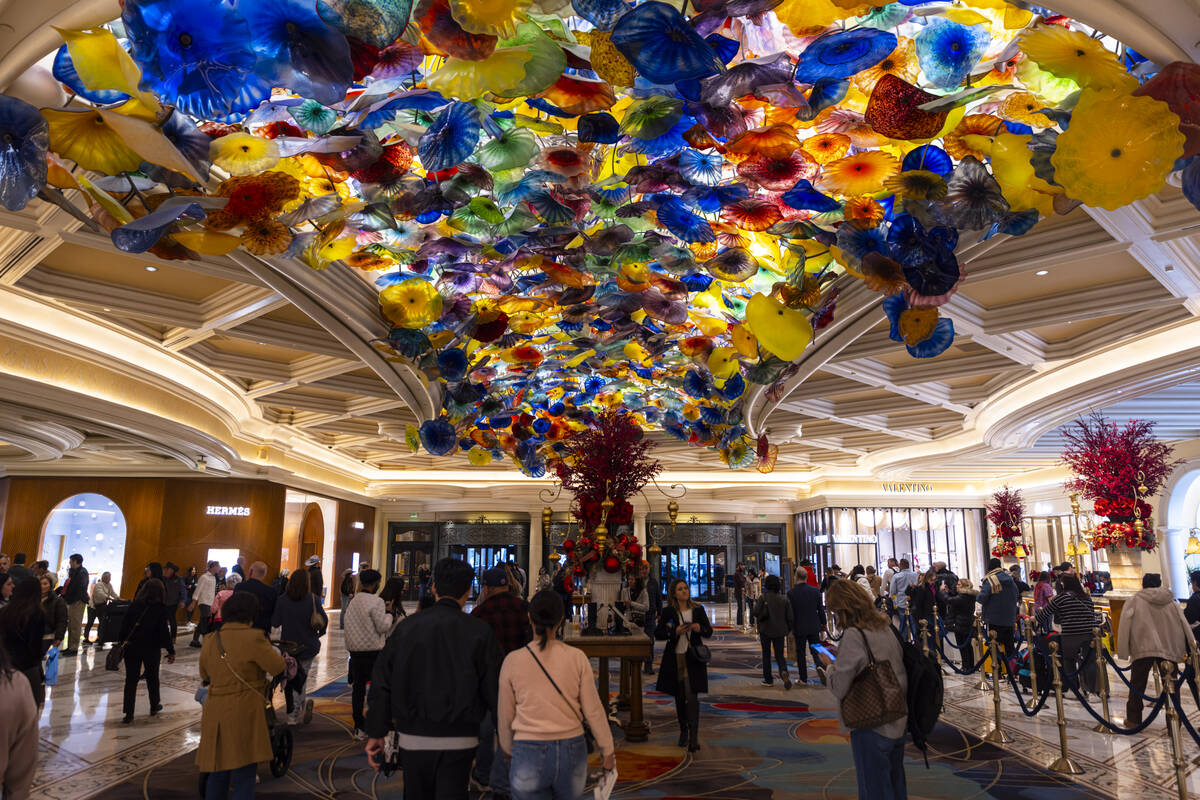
point(547, 516)
point(1020, 552)
point(1193, 545)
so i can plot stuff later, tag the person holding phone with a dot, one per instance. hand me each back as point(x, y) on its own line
point(684, 671)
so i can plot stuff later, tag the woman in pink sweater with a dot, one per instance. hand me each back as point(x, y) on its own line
point(547, 690)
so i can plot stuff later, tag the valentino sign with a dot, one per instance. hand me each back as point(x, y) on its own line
point(908, 488)
point(227, 511)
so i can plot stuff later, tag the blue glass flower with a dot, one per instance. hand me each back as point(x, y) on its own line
point(803, 197)
point(1014, 223)
point(927, 257)
point(297, 50)
point(702, 168)
point(189, 140)
point(696, 384)
point(599, 127)
point(697, 282)
point(713, 198)
point(937, 343)
point(64, 72)
point(601, 13)
point(379, 23)
point(928, 157)
point(438, 436)
point(452, 364)
point(947, 51)
point(734, 387)
point(451, 138)
point(1190, 181)
point(663, 46)
point(196, 56)
point(842, 54)
point(676, 218)
point(24, 140)
point(144, 232)
point(723, 46)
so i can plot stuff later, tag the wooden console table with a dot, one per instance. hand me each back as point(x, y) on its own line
point(632, 651)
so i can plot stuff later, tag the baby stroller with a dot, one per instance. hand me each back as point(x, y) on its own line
point(282, 741)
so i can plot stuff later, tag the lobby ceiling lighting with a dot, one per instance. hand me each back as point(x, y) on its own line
point(151, 269)
point(1042, 272)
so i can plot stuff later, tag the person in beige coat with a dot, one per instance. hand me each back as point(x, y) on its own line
point(1152, 630)
point(233, 729)
point(18, 732)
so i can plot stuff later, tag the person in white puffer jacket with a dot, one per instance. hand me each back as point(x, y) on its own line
point(367, 628)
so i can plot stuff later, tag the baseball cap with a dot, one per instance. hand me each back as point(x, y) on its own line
point(312, 561)
point(496, 576)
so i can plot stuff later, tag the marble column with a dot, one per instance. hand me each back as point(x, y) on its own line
point(639, 527)
point(535, 547)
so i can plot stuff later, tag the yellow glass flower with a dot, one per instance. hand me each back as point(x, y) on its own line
point(1021, 186)
point(899, 62)
point(243, 154)
point(490, 17)
point(479, 456)
point(1075, 55)
point(782, 331)
point(861, 173)
point(412, 303)
point(608, 62)
point(919, 184)
point(1023, 107)
point(1118, 148)
point(88, 140)
point(956, 143)
point(500, 71)
point(412, 437)
point(810, 17)
point(917, 324)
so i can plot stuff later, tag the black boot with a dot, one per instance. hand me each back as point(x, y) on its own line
point(681, 712)
point(693, 737)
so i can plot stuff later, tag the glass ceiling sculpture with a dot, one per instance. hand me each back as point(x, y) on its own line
point(580, 205)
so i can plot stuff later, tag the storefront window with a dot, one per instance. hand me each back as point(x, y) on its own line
point(92, 526)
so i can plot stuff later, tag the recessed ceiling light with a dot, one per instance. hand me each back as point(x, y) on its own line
point(151, 269)
point(1042, 272)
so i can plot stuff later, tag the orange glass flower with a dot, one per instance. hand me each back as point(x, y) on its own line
point(972, 124)
point(899, 62)
point(826, 147)
point(861, 173)
point(266, 237)
point(776, 141)
point(1023, 107)
point(863, 212)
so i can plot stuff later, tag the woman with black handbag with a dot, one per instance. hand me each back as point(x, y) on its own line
point(869, 681)
point(299, 618)
point(548, 710)
point(144, 635)
point(684, 669)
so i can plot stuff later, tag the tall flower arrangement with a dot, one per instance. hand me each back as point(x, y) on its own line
point(608, 462)
point(1006, 512)
point(1116, 467)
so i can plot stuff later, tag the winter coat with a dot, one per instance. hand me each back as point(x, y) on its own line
point(774, 615)
point(999, 597)
point(233, 723)
point(145, 628)
point(960, 611)
point(668, 671)
point(808, 610)
point(294, 619)
point(1153, 626)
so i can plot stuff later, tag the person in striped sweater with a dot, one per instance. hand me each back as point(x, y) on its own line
point(1076, 616)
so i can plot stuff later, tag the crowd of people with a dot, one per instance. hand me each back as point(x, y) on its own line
point(494, 698)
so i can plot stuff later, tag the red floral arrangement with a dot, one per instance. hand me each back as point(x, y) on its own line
point(1114, 467)
point(607, 461)
point(1004, 547)
point(1006, 511)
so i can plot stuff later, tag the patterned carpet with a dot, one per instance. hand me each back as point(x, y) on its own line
point(759, 743)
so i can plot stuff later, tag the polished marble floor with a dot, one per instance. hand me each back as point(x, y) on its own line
point(85, 749)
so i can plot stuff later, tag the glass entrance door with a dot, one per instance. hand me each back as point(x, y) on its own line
point(702, 567)
point(482, 558)
point(407, 560)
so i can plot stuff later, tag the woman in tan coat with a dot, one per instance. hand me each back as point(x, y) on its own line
point(233, 730)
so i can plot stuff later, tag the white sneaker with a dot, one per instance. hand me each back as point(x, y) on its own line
point(360, 735)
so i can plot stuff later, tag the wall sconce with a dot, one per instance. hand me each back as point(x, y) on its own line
point(1193, 545)
point(201, 464)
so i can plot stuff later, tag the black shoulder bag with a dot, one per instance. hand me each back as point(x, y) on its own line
point(588, 738)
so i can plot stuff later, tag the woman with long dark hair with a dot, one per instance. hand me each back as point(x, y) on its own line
point(546, 692)
point(683, 674)
point(292, 622)
point(22, 625)
point(393, 598)
point(146, 632)
point(868, 638)
point(55, 609)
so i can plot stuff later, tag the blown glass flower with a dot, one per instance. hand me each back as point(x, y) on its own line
point(494, 17)
point(664, 47)
point(947, 51)
point(24, 143)
point(1178, 85)
point(297, 50)
point(861, 173)
point(899, 63)
point(451, 138)
point(1118, 148)
point(842, 54)
point(243, 153)
point(973, 198)
point(265, 237)
point(1076, 56)
point(378, 23)
point(197, 56)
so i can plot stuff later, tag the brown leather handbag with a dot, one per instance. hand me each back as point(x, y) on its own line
point(875, 697)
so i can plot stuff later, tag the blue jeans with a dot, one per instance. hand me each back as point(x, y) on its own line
point(490, 767)
point(241, 778)
point(879, 762)
point(554, 770)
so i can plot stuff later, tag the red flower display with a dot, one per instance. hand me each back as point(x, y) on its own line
point(607, 461)
point(1006, 512)
point(1005, 547)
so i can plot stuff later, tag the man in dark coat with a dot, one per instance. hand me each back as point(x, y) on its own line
point(808, 620)
point(316, 581)
point(75, 595)
point(257, 585)
point(176, 595)
point(739, 592)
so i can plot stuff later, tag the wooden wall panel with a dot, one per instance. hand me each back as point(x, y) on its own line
point(351, 540)
point(165, 518)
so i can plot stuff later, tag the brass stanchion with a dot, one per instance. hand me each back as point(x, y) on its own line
point(1101, 683)
point(937, 638)
point(980, 645)
point(925, 637)
point(1029, 643)
point(1064, 765)
point(1167, 671)
point(996, 735)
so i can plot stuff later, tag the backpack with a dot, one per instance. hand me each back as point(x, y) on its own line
point(925, 693)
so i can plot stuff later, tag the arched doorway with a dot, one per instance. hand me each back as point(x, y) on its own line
point(91, 525)
point(312, 533)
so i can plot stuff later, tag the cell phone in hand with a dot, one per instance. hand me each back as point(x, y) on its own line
point(823, 650)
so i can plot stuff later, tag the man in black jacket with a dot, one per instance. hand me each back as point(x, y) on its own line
point(256, 584)
point(316, 579)
point(433, 683)
point(808, 620)
point(75, 595)
point(175, 592)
